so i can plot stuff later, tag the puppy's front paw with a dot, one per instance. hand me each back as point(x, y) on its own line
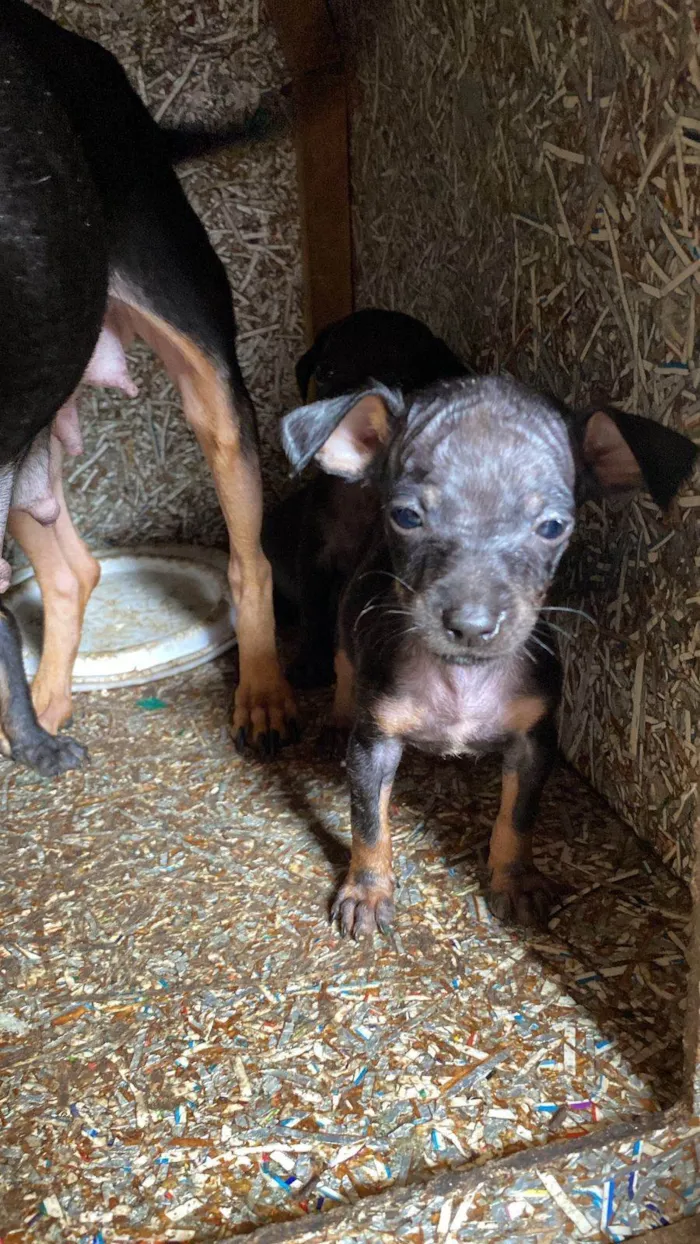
point(49, 755)
point(364, 905)
point(522, 897)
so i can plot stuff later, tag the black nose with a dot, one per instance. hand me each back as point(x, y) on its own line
point(477, 623)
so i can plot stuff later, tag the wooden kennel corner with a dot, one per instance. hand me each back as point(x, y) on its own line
point(319, 96)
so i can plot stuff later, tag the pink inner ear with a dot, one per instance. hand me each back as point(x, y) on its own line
point(350, 448)
point(369, 439)
point(607, 452)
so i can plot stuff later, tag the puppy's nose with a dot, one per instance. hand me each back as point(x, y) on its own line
point(471, 624)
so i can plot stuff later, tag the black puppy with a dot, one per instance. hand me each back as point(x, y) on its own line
point(319, 530)
point(98, 243)
point(441, 626)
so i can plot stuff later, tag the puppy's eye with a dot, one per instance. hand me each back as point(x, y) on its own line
point(405, 518)
point(551, 529)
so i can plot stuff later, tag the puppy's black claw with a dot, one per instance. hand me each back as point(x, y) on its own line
point(337, 919)
point(526, 900)
point(526, 913)
point(79, 754)
point(262, 745)
point(500, 906)
point(240, 740)
point(274, 744)
point(360, 912)
point(541, 904)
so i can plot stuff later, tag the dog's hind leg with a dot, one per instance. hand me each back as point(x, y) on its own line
point(218, 409)
point(174, 292)
point(67, 574)
point(264, 701)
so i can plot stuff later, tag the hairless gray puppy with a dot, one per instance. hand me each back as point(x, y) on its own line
point(443, 640)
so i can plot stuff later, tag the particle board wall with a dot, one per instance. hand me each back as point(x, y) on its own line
point(142, 477)
point(525, 178)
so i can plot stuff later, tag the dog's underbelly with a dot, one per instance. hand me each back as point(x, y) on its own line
point(32, 489)
point(452, 709)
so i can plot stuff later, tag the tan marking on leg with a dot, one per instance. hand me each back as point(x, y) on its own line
point(67, 574)
point(524, 712)
point(343, 711)
point(364, 902)
point(263, 698)
point(509, 849)
point(375, 858)
point(517, 890)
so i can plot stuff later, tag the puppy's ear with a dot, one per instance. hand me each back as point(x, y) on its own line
point(344, 433)
point(624, 451)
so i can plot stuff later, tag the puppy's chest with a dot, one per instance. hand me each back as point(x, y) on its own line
point(451, 709)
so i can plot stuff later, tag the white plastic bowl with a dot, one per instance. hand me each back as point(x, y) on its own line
point(157, 610)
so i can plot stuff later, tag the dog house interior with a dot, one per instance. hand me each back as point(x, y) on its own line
point(189, 1049)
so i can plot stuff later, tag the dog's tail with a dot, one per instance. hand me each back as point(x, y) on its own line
point(271, 118)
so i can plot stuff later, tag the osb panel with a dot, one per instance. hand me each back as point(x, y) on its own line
point(526, 180)
point(577, 1196)
point(189, 1051)
point(142, 476)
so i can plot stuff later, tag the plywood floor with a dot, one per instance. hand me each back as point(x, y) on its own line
point(189, 1051)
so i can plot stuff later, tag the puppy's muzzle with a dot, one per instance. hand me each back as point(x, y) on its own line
point(473, 625)
point(474, 621)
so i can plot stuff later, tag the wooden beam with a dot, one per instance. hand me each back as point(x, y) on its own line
point(320, 101)
point(324, 195)
point(306, 34)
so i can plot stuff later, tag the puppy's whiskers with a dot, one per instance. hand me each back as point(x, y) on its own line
point(393, 636)
point(398, 613)
point(367, 609)
point(559, 629)
point(565, 609)
point(552, 626)
point(390, 575)
point(540, 643)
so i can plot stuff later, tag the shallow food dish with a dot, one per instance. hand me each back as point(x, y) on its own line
point(157, 610)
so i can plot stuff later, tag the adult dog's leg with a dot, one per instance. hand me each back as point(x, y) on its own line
point(174, 290)
point(220, 412)
point(264, 701)
point(67, 574)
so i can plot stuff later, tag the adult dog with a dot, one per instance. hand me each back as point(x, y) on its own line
point(99, 244)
